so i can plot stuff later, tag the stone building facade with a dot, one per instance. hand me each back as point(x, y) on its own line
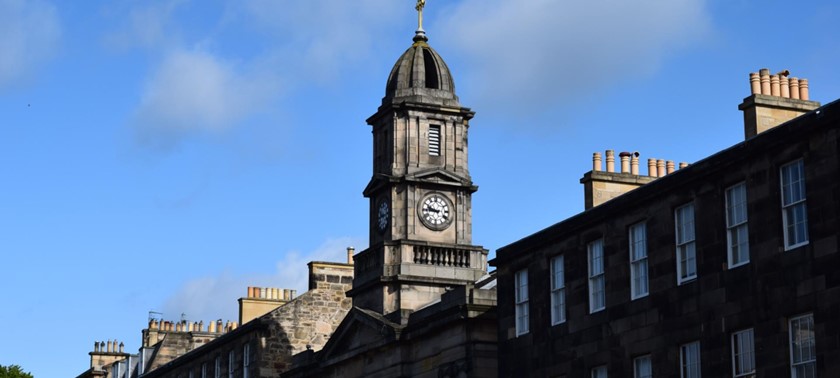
point(263, 347)
point(726, 267)
point(423, 302)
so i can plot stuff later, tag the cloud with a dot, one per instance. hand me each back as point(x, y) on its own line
point(29, 34)
point(528, 54)
point(321, 37)
point(193, 91)
point(213, 297)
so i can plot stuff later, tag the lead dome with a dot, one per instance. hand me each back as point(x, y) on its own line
point(421, 75)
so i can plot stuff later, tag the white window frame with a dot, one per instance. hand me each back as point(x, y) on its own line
point(597, 279)
point(737, 231)
point(743, 353)
point(690, 360)
point(246, 360)
point(231, 363)
point(639, 367)
point(639, 279)
point(217, 372)
point(203, 370)
point(799, 345)
point(558, 290)
point(685, 240)
point(521, 300)
point(598, 372)
point(793, 204)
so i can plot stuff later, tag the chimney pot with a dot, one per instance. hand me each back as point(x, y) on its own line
point(755, 85)
point(625, 162)
point(774, 86)
point(350, 252)
point(652, 168)
point(784, 85)
point(669, 166)
point(803, 89)
point(794, 88)
point(660, 168)
point(610, 160)
point(765, 81)
point(634, 164)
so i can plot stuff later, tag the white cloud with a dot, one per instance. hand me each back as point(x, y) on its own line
point(532, 53)
point(29, 34)
point(320, 37)
point(195, 91)
point(213, 297)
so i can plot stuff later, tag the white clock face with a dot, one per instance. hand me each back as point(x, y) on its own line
point(382, 216)
point(435, 211)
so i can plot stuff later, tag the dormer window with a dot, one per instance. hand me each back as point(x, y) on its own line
point(434, 140)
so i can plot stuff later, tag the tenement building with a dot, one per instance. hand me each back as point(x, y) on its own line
point(724, 268)
point(276, 324)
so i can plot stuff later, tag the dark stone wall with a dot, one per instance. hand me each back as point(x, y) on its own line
point(773, 287)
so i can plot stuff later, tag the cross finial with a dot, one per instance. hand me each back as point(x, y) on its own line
point(419, 7)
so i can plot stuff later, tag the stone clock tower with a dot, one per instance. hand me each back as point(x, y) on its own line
point(420, 193)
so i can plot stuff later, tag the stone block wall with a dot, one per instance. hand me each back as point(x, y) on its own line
point(764, 294)
point(307, 321)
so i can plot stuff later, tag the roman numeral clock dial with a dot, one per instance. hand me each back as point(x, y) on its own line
point(435, 211)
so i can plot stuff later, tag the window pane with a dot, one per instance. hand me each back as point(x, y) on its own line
point(743, 353)
point(690, 360)
point(686, 259)
point(558, 294)
point(596, 276)
point(803, 348)
point(521, 299)
point(641, 367)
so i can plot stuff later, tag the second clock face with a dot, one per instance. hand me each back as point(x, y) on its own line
point(383, 216)
point(435, 212)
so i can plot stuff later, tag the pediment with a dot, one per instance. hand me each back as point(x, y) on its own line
point(439, 176)
point(359, 331)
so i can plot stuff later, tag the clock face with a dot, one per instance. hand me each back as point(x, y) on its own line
point(382, 216)
point(434, 212)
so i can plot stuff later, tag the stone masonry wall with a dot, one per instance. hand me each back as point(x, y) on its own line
point(308, 320)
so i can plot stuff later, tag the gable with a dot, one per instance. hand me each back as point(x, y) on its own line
point(359, 331)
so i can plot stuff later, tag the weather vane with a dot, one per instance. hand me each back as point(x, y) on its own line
point(419, 7)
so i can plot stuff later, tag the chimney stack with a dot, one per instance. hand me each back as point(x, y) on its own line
point(600, 186)
point(775, 99)
point(350, 252)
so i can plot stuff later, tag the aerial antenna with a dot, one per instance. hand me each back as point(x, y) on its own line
point(155, 315)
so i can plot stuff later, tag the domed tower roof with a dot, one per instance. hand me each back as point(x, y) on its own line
point(421, 75)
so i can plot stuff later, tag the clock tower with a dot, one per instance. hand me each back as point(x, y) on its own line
point(420, 192)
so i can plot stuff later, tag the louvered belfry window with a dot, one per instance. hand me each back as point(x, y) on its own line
point(434, 140)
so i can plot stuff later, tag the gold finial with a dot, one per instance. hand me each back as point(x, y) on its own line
point(419, 7)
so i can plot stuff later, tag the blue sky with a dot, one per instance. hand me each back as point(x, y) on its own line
point(165, 155)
